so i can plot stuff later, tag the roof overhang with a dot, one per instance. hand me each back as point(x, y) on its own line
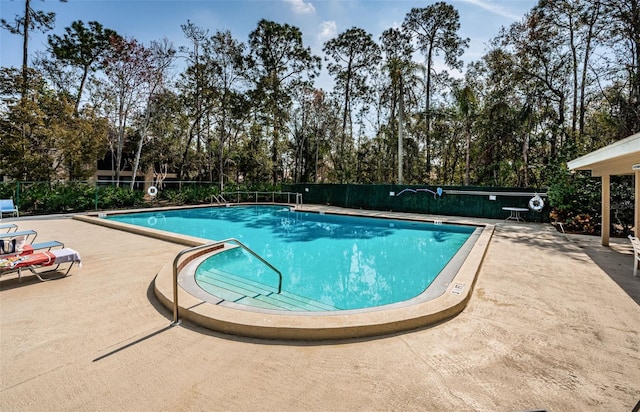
point(618, 158)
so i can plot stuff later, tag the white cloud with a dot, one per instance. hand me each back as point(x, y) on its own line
point(328, 30)
point(493, 8)
point(299, 6)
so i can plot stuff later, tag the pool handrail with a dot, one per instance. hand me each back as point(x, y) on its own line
point(255, 193)
point(212, 246)
point(218, 198)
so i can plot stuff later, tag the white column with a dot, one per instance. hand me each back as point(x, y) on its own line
point(636, 221)
point(606, 206)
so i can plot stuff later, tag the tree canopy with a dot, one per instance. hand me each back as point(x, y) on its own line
point(562, 81)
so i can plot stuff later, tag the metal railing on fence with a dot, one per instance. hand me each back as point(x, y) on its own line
point(258, 197)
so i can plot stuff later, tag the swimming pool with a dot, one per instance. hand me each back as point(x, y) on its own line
point(336, 262)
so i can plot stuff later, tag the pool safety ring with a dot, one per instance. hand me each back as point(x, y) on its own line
point(536, 203)
point(152, 190)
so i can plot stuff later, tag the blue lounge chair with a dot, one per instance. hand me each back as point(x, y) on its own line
point(8, 227)
point(29, 235)
point(7, 207)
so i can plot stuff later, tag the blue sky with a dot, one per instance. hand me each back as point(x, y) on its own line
point(319, 20)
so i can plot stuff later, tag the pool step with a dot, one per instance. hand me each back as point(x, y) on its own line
point(234, 288)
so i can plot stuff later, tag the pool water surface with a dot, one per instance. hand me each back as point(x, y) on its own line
point(344, 262)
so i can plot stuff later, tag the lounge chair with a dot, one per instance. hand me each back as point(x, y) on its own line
point(8, 227)
point(636, 253)
point(7, 206)
point(15, 243)
point(34, 261)
point(28, 235)
point(35, 247)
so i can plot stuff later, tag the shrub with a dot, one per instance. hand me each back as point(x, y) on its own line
point(114, 197)
point(576, 203)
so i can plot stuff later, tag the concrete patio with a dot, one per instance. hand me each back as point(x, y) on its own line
point(553, 323)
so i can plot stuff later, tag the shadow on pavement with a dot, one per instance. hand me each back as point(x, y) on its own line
point(616, 260)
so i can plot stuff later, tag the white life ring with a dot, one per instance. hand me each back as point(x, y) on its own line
point(536, 203)
point(152, 220)
point(152, 190)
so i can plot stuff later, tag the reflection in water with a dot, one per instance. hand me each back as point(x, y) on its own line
point(440, 236)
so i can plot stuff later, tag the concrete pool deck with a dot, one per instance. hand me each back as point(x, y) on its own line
point(551, 324)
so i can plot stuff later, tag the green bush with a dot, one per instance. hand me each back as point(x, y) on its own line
point(114, 197)
point(7, 190)
point(577, 203)
point(173, 196)
point(34, 198)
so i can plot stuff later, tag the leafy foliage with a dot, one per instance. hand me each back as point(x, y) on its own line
point(82, 47)
point(43, 139)
point(561, 82)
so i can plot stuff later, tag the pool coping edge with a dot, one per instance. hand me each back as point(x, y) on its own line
point(312, 327)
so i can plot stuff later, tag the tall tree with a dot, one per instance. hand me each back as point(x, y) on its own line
point(25, 142)
point(22, 25)
point(435, 30)
point(542, 66)
point(624, 42)
point(353, 55)
point(225, 62)
point(41, 138)
point(127, 68)
point(397, 49)
point(160, 59)
point(280, 61)
point(466, 101)
point(194, 89)
point(591, 29)
point(82, 47)
point(573, 27)
point(167, 128)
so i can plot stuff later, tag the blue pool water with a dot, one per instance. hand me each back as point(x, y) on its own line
point(343, 262)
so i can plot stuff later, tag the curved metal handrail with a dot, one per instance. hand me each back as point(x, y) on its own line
point(255, 193)
point(218, 198)
point(211, 246)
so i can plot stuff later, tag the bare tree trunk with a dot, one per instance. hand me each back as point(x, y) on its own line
point(427, 114)
point(400, 136)
point(574, 61)
point(25, 46)
point(137, 162)
point(525, 159)
point(221, 152)
point(467, 149)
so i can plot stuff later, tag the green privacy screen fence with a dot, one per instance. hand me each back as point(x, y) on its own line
point(483, 202)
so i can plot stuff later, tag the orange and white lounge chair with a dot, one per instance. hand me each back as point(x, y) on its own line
point(51, 260)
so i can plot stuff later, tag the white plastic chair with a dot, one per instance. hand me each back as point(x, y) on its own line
point(636, 253)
